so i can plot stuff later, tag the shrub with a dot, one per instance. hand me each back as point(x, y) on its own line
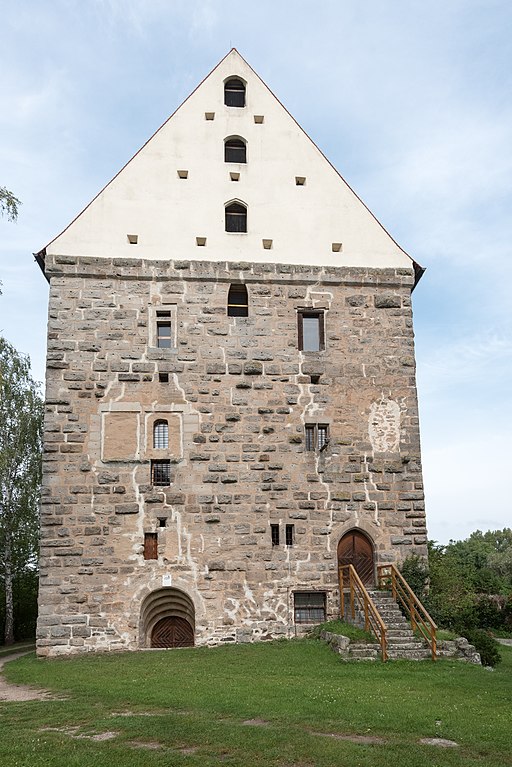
point(484, 644)
point(416, 573)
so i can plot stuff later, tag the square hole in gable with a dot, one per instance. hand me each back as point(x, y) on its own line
point(183, 173)
point(133, 239)
point(300, 180)
point(201, 241)
point(209, 115)
point(336, 247)
point(259, 119)
point(234, 176)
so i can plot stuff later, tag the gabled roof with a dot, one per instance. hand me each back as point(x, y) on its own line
point(172, 192)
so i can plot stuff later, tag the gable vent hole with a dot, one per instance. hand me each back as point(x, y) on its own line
point(133, 239)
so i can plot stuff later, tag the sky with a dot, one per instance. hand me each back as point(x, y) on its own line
point(410, 101)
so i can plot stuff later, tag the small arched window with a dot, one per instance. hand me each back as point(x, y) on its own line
point(234, 92)
point(236, 217)
point(238, 301)
point(161, 434)
point(235, 150)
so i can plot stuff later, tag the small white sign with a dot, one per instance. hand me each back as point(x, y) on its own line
point(166, 580)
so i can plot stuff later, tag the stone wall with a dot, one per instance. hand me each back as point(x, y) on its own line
point(238, 395)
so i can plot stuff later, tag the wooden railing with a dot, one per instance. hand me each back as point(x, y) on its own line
point(359, 599)
point(390, 578)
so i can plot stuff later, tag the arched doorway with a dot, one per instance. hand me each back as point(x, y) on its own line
point(355, 548)
point(167, 619)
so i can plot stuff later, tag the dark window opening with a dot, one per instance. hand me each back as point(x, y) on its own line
point(309, 607)
point(290, 535)
point(311, 331)
point(161, 435)
point(236, 217)
point(316, 436)
point(150, 545)
point(235, 150)
point(274, 532)
point(315, 379)
point(234, 93)
point(162, 521)
point(161, 473)
point(238, 301)
point(163, 377)
point(163, 329)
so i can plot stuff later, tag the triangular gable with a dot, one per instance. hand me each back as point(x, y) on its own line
point(168, 201)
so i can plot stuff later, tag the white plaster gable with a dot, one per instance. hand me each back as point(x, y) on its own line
point(167, 213)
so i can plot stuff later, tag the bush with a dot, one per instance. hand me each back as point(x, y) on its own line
point(416, 573)
point(484, 644)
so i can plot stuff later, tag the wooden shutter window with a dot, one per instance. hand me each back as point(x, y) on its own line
point(234, 93)
point(150, 545)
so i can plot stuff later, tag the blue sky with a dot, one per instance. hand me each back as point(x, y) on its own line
point(411, 102)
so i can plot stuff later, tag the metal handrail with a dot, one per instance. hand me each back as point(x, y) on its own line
point(358, 594)
point(390, 576)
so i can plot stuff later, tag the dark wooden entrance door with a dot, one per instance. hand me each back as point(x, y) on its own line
point(172, 632)
point(356, 549)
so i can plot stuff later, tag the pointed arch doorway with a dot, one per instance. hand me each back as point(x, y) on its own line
point(355, 548)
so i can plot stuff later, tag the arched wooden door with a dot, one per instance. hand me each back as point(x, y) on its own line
point(172, 632)
point(356, 549)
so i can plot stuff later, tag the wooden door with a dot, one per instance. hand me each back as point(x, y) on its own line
point(172, 632)
point(356, 549)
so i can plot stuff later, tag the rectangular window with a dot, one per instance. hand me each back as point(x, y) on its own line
point(163, 329)
point(290, 535)
point(274, 532)
point(309, 606)
point(161, 473)
point(311, 331)
point(316, 436)
point(150, 545)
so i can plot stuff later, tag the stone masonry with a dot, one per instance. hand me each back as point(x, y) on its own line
point(237, 398)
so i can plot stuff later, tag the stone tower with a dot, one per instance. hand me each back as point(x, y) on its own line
point(231, 397)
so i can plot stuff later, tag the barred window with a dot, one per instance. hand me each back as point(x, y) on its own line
point(161, 434)
point(161, 472)
point(316, 436)
point(309, 606)
point(290, 535)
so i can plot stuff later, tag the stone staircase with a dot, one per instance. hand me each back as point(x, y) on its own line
point(401, 642)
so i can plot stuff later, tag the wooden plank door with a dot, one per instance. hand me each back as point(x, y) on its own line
point(172, 632)
point(356, 549)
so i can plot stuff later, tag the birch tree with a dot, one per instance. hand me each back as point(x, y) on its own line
point(21, 410)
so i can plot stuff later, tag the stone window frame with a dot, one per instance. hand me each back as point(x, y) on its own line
point(156, 317)
point(309, 314)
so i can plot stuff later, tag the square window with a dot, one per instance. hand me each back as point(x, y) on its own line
point(316, 436)
point(161, 473)
point(163, 377)
point(311, 331)
point(309, 606)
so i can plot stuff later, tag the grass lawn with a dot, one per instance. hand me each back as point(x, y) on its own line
point(286, 704)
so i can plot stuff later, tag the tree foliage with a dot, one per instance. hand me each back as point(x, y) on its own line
point(9, 204)
point(21, 413)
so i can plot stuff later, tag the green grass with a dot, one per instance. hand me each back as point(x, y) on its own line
point(349, 630)
point(16, 647)
point(199, 698)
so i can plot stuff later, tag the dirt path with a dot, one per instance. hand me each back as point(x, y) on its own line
point(19, 692)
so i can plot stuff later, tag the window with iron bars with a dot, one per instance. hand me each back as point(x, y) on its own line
point(161, 434)
point(161, 472)
point(316, 436)
point(309, 606)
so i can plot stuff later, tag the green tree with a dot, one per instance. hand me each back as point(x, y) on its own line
point(21, 412)
point(9, 204)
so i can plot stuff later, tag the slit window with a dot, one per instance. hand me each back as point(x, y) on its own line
point(234, 92)
point(161, 473)
point(235, 150)
point(238, 301)
point(236, 217)
point(274, 534)
point(150, 545)
point(161, 435)
point(309, 606)
point(311, 334)
point(316, 436)
point(290, 535)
